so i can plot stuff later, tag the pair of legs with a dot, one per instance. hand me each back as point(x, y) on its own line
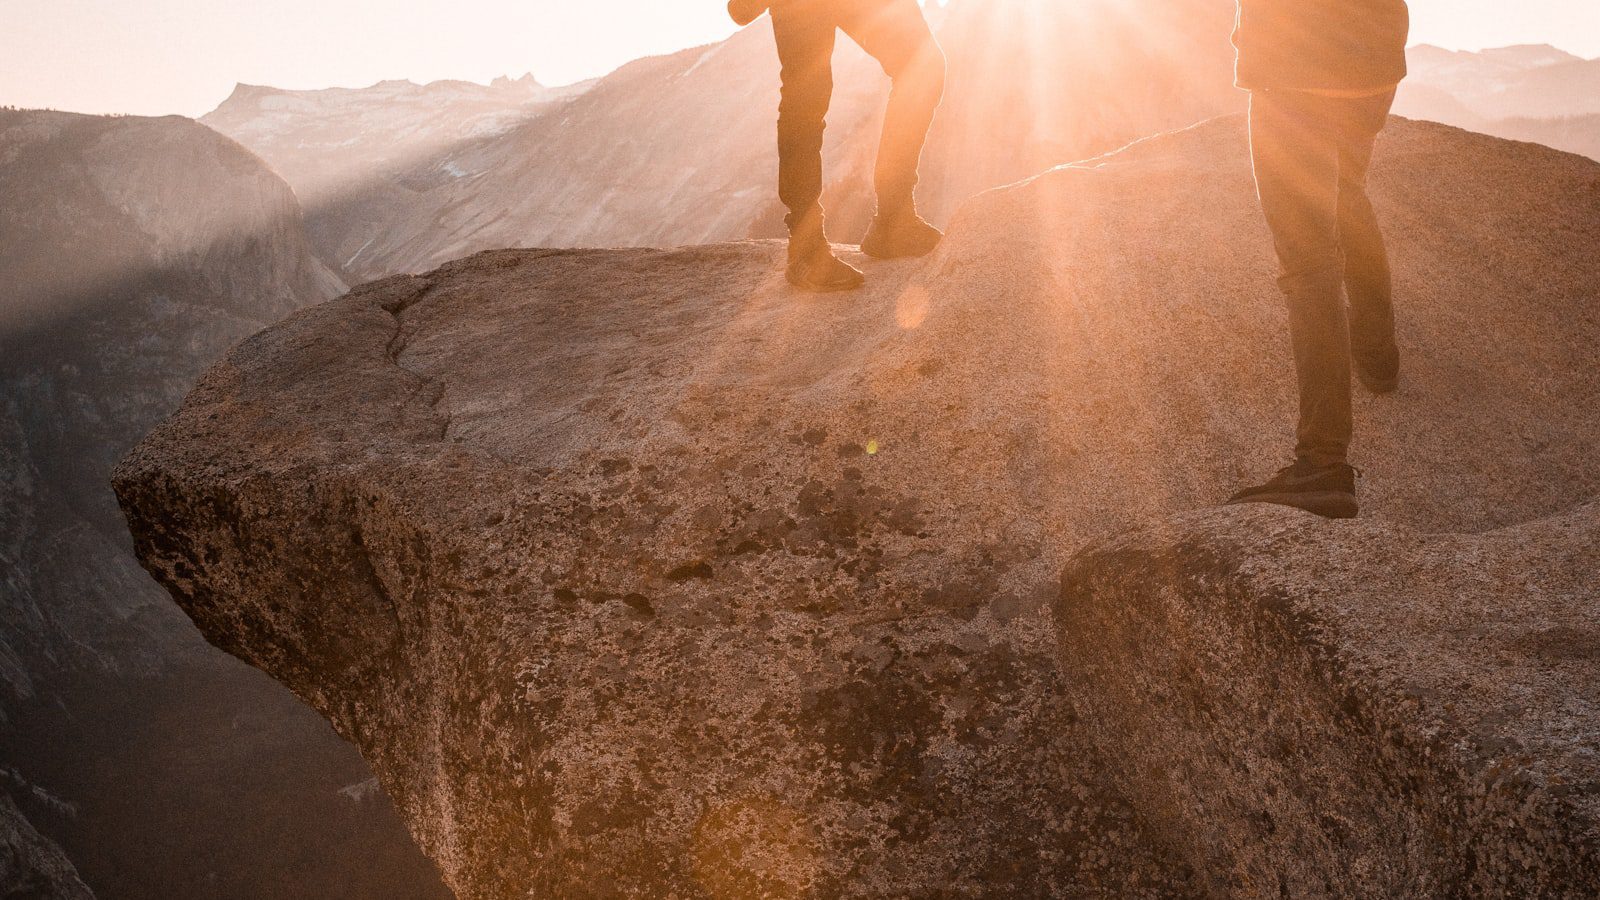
point(1311, 154)
point(895, 33)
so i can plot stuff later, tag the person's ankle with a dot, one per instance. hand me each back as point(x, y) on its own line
point(806, 224)
point(809, 246)
point(905, 211)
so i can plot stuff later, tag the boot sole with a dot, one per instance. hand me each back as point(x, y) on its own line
point(1327, 504)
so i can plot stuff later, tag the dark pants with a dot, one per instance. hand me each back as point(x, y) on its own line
point(895, 33)
point(1311, 155)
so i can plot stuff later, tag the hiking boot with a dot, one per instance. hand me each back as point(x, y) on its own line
point(813, 267)
point(1378, 369)
point(1327, 491)
point(900, 236)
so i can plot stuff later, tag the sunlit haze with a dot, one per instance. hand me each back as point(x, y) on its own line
point(184, 56)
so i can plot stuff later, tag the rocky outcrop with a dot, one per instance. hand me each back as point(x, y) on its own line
point(30, 865)
point(766, 686)
point(133, 253)
point(636, 572)
point(1351, 710)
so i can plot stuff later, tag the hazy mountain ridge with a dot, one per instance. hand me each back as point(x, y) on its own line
point(320, 140)
point(1528, 80)
point(1530, 92)
point(336, 144)
point(664, 150)
point(680, 149)
point(133, 251)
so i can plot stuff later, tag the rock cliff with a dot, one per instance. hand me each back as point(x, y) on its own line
point(635, 572)
point(133, 253)
point(1352, 710)
point(30, 865)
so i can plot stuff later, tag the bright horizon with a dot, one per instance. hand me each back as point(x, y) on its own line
point(185, 56)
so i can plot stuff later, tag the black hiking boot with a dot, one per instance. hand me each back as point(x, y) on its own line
point(1327, 491)
point(900, 236)
point(1378, 369)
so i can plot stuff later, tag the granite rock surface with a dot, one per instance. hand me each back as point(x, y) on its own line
point(1353, 709)
point(31, 865)
point(635, 572)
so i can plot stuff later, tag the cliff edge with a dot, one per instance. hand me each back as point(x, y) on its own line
point(31, 865)
point(633, 571)
point(1359, 710)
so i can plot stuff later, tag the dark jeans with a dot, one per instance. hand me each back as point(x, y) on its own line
point(895, 33)
point(1311, 155)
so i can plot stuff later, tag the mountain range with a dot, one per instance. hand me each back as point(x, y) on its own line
point(679, 149)
point(1533, 93)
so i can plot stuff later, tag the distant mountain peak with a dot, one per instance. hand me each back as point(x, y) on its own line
point(248, 92)
point(1519, 56)
point(1532, 55)
point(526, 82)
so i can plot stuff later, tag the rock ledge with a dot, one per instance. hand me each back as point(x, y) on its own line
point(1350, 710)
point(634, 572)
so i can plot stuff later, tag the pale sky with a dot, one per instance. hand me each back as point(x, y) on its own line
point(152, 57)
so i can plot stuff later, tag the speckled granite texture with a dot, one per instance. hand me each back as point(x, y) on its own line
point(636, 573)
point(1316, 709)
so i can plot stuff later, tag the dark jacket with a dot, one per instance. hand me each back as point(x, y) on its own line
point(1337, 45)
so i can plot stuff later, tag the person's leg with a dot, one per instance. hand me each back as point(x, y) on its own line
point(1366, 260)
point(896, 34)
point(804, 30)
point(1295, 153)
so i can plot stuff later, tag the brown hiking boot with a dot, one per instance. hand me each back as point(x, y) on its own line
point(813, 267)
point(900, 236)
